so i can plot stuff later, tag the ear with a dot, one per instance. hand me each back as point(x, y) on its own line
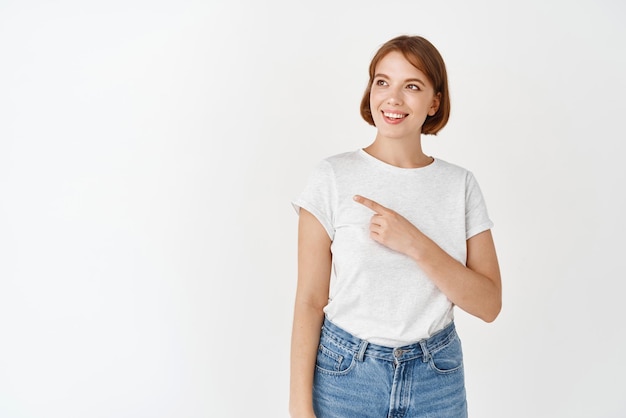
point(435, 105)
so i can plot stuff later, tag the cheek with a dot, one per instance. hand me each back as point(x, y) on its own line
point(375, 100)
point(375, 112)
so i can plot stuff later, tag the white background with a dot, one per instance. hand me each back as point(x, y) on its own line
point(149, 151)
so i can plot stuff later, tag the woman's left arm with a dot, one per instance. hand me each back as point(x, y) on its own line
point(475, 287)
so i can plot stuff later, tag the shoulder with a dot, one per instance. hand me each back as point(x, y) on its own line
point(452, 169)
point(341, 158)
point(337, 163)
point(456, 174)
point(328, 168)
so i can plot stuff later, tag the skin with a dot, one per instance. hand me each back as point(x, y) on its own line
point(398, 89)
point(314, 264)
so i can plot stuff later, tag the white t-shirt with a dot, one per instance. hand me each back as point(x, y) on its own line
point(378, 294)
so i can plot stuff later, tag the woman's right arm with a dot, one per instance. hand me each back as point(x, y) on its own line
point(314, 265)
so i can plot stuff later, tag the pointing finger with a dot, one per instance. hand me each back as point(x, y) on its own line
point(375, 206)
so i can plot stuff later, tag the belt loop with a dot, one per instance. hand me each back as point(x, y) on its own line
point(425, 352)
point(362, 349)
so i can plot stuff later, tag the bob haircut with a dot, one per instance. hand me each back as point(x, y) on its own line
point(424, 56)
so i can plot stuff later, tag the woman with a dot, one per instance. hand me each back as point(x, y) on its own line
point(405, 237)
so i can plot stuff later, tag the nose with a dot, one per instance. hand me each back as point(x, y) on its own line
point(395, 97)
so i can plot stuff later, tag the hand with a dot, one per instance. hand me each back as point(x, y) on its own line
point(391, 229)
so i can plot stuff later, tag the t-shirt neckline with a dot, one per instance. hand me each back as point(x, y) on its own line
point(391, 167)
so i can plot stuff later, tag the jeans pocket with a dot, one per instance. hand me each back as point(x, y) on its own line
point(332, 358)
point(447, 358)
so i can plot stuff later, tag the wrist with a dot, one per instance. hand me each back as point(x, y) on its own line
point(301, 409)
point(415, 248)
point(302, 414)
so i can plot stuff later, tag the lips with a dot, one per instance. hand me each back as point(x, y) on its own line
point(393, 117)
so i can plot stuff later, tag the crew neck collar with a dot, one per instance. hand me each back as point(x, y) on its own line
point(391, 167)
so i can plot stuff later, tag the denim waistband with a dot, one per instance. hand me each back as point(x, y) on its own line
point(422, 348)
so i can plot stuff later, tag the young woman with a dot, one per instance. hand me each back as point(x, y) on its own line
point(405, 237)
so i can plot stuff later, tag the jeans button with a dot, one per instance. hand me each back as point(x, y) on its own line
point(397, 353)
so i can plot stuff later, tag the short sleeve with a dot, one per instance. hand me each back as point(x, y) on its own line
point(320, 196)
point(476, 216)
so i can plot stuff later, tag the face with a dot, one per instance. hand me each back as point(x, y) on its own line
point(401, 97)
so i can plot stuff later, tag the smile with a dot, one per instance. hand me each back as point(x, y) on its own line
point(394, 115)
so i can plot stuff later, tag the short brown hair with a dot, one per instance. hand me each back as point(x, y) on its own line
point(425, 57)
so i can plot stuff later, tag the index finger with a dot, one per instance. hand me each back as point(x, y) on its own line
point(375, 206)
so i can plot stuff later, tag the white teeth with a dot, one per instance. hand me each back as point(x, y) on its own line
point(393, 115)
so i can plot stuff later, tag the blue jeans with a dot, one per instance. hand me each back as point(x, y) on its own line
point(354, 378)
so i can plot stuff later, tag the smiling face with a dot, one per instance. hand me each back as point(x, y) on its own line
point(401, 97)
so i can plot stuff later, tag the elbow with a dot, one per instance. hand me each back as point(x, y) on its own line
point(493, 306)
point(492, 313)
point(489, 318)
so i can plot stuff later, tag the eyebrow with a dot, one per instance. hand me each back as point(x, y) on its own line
point(406, 81)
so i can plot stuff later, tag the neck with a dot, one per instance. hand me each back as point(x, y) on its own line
point(400, 153)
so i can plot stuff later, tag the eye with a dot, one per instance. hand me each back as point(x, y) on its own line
point(380, 82)
point(413, 87)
